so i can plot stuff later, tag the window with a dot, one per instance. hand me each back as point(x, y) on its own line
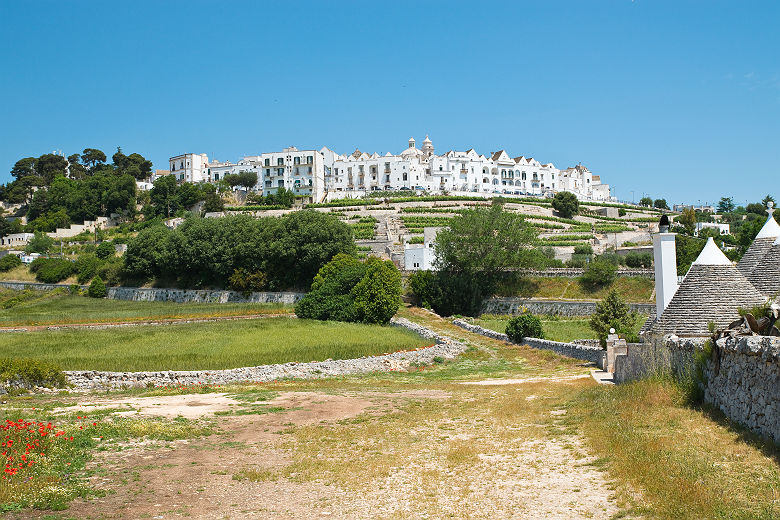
point(268, 171)
point(280, 161)
point(309, 159)
point(281, 183)
point(216, 176)
point(268, 162)
point(309, 169)
point(280, 171)
point(405, 176)
point(297, 160)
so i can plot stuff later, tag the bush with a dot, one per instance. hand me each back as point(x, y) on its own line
point(52, 270)
point(524, 326)
point(40, 243)
point(578, 261)
point(613, 312)
point(584, 249)
point(346, 289)
point(9, 262)
point(87, 267)
point(97, 289)
point(599, 273)
point(422, 286)
point(637, 260)
point(104, 250)
point(74, 289)
point(621, 212)
point(566, 204)
point(246, 282)
point(111, 271)
point(30, 372)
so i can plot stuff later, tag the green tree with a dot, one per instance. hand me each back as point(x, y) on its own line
point(76, 170)
point(93, 158)
point(50, 165)
point(9, 262)
point(97, 289)
point(566, 204)
point(688, 220)
point(524, 326)
point(660, 204)
point(646, 201)
point(39, 243)
point(105, 250)
point(247, 179)
point(726, 205)
point(613, 312)
point(766, 200)
point(377, 295)
point(163, 196)
point(599, 273)
point(687, 249)
point(24, 167)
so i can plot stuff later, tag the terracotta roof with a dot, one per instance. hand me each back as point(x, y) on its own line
point(709, 293)
point(497, 154)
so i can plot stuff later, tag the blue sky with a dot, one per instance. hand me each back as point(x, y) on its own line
point(673, 99)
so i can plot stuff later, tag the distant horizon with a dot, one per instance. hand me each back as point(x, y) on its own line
point(675, 100)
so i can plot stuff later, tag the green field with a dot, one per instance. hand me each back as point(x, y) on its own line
point(554, 329)
point(631, 289)
point(201, 346)
point(57, 307)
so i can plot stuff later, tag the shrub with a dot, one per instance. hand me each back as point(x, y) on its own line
point(40, 243)
point(104, 250)
point(621, 212)
point(524, 326)
point(636, 260)
point(599, 273)
point(97, 289)
point(584, 249)
point(31, 372)
point(74, 289)
point(577, 261)
point(566, 204)
point(9, 262)
point(86, 267)
point(245, 282)
point(346, 289)
point(52, 270)
point(111, 271)
point(613, 312)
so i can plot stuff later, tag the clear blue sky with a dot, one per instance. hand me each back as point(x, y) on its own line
point(678, 99)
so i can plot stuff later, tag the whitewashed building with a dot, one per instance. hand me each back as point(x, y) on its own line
point(421, 257)
point(189, 167)
point(320, 173)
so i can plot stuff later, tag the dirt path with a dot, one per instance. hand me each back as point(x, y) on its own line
point(311, 457)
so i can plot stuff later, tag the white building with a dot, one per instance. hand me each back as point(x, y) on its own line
point(318, 173)
point(16, 239)
point(421, 257)
point(190, 167)
point(723, 229)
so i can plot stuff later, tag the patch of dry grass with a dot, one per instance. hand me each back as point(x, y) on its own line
point(684, 462)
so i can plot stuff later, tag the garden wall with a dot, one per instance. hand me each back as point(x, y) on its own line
point(742, 375)
point(512, 305)
point(200, 296)
point(572, 350)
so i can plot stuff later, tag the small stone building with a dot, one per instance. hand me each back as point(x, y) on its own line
point(760, 246)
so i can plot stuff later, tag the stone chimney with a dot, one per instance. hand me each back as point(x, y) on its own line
point(665, 258)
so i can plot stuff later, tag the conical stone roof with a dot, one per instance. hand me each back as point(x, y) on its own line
point(712, 291)
point(761, 245)
point(766, 275)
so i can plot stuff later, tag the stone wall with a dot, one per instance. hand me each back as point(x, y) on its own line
point(511, 305)
point(200, 296)
point(576, 272)
point(743, 380)
point(572, 350)
point(443, 347)
point(742, 375)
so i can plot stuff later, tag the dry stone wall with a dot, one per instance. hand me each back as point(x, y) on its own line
point(510, 305)
point(200, 296)
point(443, 347)
point(572, 350)
point(742, 374)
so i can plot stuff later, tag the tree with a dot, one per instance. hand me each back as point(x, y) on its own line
point(50, 165)
point(687, 249)
point(97, 289)
point(247, 179)
point(660, 204)
point(646, 201)
point(233, 179)
point(566, 204)
point(39, 243)
point(163, 196)
point(346, 289)
point(212, 201)
point(105, 250)
point(76, 170)
point(138, 166)
point(9, 262)
point(599, 273)
point(24, 167)
point(688, 220)
point(726, 205)
point(613, 312)
point(766, 200)
point(756, 208)
point(478, 249)
point(92, 157)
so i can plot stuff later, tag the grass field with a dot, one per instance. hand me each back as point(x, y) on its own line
point(637, 290)
point(196, 346)
point(57, 307)
point(563, 329)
